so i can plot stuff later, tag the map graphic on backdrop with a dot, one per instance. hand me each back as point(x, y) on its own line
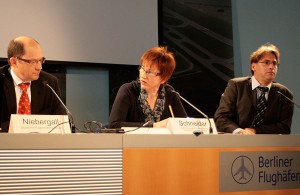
point(199, 32)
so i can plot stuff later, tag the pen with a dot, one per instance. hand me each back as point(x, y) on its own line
point(170, 107)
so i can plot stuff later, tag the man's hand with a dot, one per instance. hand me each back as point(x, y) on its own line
point(247, 131)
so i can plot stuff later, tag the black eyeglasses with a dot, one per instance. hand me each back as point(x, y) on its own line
point(32, 62)
point(148, 72)
point(268, 62)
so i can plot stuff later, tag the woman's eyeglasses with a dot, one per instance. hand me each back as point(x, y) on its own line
point(148, 72)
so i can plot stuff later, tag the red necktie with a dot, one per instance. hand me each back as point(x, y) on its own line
point(24, 103)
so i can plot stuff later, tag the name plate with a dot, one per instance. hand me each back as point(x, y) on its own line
point(190, 125)
point(23, 123)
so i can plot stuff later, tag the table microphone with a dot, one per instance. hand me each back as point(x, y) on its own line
point(72, 125)
point(288, 98)
point(197, 132)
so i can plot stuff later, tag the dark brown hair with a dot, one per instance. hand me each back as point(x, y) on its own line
point(262, 51)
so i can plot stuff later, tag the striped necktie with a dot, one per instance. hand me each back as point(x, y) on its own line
point(261, 107)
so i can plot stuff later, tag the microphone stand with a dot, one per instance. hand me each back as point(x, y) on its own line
point(196, 132)
point(288, 99)
point(72, 125)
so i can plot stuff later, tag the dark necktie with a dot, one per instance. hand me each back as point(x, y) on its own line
point(24, 103)
point(261, 107)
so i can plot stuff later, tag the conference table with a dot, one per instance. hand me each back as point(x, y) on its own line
point(141, 164)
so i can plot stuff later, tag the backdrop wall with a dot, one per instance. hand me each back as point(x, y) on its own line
point(100, 31)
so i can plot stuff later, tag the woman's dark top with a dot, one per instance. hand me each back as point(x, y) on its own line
point(127, 111)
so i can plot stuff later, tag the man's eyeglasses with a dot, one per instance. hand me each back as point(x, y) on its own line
point(268, 62)
point(148, 72)
point(32, 62)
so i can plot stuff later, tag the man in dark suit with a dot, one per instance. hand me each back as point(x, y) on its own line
point(25, 66)
point(239, 108)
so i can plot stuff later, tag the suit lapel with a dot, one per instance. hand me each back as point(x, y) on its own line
point(35, 96)
point(272, 96)
point(252, 94)
point(9, 91)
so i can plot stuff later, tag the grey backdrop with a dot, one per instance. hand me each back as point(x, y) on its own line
point(100, 31)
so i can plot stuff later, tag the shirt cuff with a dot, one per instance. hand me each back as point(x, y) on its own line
point(236, 131)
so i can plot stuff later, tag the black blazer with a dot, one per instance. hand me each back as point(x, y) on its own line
point(43, 101)
point(238, 105)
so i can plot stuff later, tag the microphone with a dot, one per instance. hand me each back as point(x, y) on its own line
point(197, 132)
point(287, 98)
point(72, 125)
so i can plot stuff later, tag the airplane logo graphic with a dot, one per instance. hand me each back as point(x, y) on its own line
point(242, 169)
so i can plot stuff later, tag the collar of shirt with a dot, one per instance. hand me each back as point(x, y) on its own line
point(16, 79)
point(18, 90)
point(255, 84)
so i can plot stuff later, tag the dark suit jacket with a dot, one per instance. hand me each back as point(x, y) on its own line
point(43, 100)
point(238, 105)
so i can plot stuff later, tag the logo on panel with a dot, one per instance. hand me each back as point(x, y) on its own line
point(259, 170)
point(242, 169)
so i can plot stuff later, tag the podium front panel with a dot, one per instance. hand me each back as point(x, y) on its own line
point(185, 164)
point(61, 164)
